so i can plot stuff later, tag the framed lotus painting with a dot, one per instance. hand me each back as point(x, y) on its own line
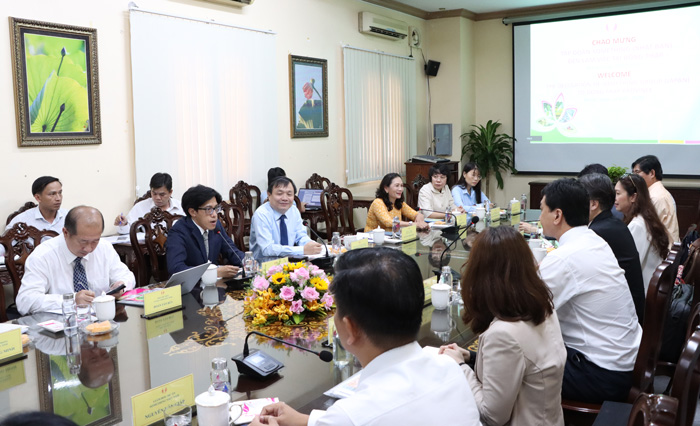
point(56, 83)
point(308, 82)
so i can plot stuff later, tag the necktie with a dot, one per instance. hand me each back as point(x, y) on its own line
point(284, 239)
point(206, 242)
point(79, 277)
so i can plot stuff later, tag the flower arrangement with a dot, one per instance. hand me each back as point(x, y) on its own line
point(288, 293)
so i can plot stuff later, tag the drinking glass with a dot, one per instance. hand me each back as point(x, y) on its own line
point(178, 415)
point(84, 312)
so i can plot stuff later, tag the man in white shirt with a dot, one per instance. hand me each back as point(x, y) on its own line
point(649, 168)
point(77, 261)
point(161, 196)
point(379, 297)
point(593, 301)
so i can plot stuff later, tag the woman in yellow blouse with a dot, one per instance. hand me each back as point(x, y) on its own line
point(390, 204)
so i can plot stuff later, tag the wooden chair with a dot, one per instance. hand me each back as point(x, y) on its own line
point(19, 241)
point(156, 225)
point(657, 303)
point(414, 189)
point(232, 219)
point(653, 410)
point(247, 197)
point(318, 182)
point(28, 205)
point(145, 196)
point(686, 380)
point(337, 206)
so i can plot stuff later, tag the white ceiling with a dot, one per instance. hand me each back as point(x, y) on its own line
point(479, 6)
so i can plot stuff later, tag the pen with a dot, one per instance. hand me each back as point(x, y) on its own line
point(121, 215)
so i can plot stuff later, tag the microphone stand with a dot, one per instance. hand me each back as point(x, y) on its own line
point(325, 262)
point(474, 220)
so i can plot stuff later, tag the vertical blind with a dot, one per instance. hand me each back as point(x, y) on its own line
point(204, 106)
point(380, 113)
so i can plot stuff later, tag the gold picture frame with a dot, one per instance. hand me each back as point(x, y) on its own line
point(57, 99)
point(308, 102)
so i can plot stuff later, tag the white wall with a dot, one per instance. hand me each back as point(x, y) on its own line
point(104, 175)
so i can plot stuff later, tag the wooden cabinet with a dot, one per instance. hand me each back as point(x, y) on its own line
point(415, 168)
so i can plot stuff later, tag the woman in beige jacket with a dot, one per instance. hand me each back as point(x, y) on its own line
point(520, 364)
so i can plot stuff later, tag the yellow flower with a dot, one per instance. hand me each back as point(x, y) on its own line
point(259, 319)
point(319, 283)
point(278, 278)
point(313, 306)
point(289, 267)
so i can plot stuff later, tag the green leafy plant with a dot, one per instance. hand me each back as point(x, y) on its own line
point(616, 172)
point(490, 150)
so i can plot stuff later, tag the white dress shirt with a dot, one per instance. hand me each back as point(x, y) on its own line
point(648, 257)
point(432, 199)
point(33, 217)
point(405, 386)
point(265, 233)
point(144, 206)
point(592, 299)
point(665, 206)
point(48, 274)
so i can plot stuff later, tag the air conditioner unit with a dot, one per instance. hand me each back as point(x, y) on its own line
point(382, 26)
point(236, 3)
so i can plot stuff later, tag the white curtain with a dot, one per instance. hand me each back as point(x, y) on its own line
point(380, 113)
point(205, 99)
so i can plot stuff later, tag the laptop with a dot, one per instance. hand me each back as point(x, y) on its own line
point(188, 278)
point(312, 198)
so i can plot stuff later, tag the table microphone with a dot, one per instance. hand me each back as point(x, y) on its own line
point(473, 222)
point(260, 365)
point(326, 262)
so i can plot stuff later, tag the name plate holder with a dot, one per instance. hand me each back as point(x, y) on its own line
point(461, 220)
point(363, 243)
point(162, 302)
point(267, 265)
point(495, 217)
point(11, 344)
point(427, 287)
point(148, 407)
point(409, 233)
point(515, 208)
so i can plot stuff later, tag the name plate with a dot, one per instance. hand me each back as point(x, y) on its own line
point(408, 233)
point(495, 214)
point(461, 220)
point(514, 220)
point(267, 265)
point(10, 341)
point(164, 324)
point(363, 243)
point(410, 248)
point(162, 300)
point(515, 208)
point(427, 284)
point(148, 407)
point(12, 375)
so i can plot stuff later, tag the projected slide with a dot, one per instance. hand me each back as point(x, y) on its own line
point(624, 79)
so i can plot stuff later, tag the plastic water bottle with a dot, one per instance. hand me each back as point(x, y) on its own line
point(523, 202)
point(248, 262)
point(335, 242)
point(446, 276)
point(70, 315)
point(448, 216)
point(396, 228)
point(220, 375)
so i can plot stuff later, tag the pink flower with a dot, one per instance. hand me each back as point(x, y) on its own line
point(287, 293)
point(309, 293)
point(299, 276)
point(273, 270)
point(318, 273)
point(260, 283)
point(327, 301)
point(297, 307)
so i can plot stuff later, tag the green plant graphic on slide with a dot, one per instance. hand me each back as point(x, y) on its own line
point(56, 84)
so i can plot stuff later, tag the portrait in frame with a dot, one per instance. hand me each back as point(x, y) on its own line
point(56, 83)
point(308, 84)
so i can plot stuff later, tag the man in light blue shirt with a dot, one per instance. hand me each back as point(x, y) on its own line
point(276, 228)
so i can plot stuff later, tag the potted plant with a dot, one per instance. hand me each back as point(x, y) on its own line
point(616, 172)
point(491, 151)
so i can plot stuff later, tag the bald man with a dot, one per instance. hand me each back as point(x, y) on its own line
point(76, 262)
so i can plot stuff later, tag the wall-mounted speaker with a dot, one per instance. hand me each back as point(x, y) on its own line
point(431, 68)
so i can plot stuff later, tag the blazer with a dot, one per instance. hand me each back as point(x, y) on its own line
point(518, 373)
point(185, 246)
point(620, 240)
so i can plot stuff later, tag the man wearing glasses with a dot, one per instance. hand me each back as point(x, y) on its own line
point(161, 196)
point(200, 237)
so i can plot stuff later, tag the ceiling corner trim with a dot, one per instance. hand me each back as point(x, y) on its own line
point(399, 7)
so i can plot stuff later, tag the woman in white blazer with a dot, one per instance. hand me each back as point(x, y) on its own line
point(520, 364)
point(649, 233)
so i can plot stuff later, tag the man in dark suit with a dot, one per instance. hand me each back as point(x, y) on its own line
point(616, 234)
point(200, 237)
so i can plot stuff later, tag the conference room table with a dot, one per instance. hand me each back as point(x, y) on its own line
point(149, 353)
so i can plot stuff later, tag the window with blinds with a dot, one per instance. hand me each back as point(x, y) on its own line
point(380, 113)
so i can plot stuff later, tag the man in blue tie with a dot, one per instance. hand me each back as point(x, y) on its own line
point(200, 237)
point(76, 262)
point(276, 228)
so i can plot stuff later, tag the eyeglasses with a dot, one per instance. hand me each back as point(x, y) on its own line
point(216, 209)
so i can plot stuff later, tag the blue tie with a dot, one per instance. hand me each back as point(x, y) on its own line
point(284, 239)
point(79, 277)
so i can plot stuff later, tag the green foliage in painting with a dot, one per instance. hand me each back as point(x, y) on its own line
point(57, 84)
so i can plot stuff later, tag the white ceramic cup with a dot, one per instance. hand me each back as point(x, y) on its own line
point(104, 307)
point(535, 243)
point(480, 212)
point(348, 240)
point(213, 408)
point(210, 295)
point(378, 235)
point(539, 253)
point(210, 275)
point(440, 295)
point(440, 320)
